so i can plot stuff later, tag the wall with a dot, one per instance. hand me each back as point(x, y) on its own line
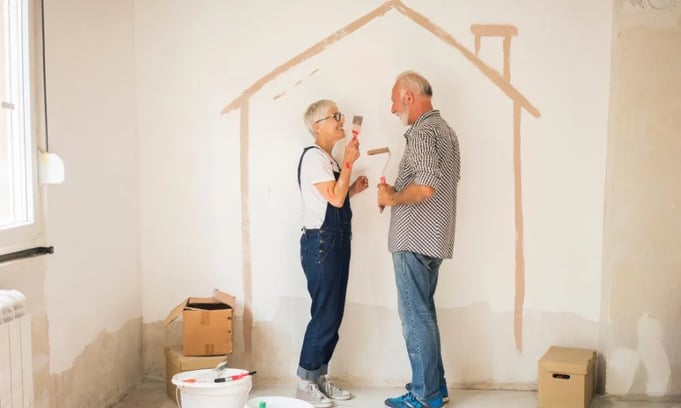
point(641, 334)
point(92, 284)
point(220, 208)
point(153, 206)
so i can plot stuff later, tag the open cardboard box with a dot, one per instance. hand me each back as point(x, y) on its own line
point(206, 324)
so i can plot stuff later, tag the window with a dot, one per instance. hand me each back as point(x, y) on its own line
point(19, 192)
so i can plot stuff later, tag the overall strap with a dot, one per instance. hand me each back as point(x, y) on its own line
point(300, 162)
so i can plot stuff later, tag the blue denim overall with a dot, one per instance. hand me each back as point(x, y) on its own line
point(325, 257)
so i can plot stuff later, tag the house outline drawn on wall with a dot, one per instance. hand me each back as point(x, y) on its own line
point(502, 80)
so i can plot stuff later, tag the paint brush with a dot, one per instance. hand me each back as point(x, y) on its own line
point(234, 377)
point(220, 368)
point(356, 126)
point(374, 152)
point(205, 379)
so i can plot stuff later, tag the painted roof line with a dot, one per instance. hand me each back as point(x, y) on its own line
point(417, 18)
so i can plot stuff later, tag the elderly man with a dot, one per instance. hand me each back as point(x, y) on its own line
point(422, 223)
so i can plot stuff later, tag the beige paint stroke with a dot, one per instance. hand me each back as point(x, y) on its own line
point(488, 71)
point(279, 95)
point(507, 32)
point(298, 82)
point(246, 231)
point(519, 232)
point(502, 81)
point(496, 30)
point(307, 54)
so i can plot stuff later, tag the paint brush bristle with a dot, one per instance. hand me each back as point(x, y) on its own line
point(356, 126)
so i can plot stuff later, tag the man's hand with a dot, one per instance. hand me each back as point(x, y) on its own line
point(412, 194)
point(385, 195)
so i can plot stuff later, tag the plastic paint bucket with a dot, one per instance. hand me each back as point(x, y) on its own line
point(205, 393)
point(278, 402)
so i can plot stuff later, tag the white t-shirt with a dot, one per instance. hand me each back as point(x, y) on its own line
point(317, 167)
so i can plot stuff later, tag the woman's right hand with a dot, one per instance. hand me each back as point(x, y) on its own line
point(351, 152)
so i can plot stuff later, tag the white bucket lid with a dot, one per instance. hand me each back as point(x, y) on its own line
point(205, 378)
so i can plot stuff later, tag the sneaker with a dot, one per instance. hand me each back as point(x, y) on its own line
point(443, 391)
point(311, 394)
point(331, 390)
point(408, 400)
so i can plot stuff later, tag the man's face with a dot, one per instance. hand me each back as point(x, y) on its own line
point(399, 104)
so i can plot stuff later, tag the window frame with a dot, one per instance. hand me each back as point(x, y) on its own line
point(31, 234)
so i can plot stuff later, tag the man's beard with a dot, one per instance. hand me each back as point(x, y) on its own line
point(404, 114)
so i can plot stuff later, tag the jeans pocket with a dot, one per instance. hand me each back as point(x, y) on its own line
point(325, 245)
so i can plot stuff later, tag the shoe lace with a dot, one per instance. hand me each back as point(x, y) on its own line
point(412, 400)
point(314, 390)
point(330, 387)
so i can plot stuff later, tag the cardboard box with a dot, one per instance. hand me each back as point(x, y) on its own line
point(206, 324)
point(566, 378)
point(177, 363)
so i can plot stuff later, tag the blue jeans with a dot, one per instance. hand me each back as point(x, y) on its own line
point(416, 279)
point(325, 257)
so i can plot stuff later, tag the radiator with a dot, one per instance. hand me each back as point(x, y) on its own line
point(16, 367)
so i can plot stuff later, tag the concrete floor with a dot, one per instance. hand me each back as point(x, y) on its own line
point(152, 394)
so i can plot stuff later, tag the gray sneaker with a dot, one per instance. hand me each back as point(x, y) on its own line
point(310, 393)
point(331, 390)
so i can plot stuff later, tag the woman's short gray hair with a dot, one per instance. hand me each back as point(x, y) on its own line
point(316, 111)
point(414, 82)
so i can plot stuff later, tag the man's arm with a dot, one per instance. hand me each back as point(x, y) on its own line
point(412, 194)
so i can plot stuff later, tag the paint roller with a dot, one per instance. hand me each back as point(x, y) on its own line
point(381, 150)
point(374, 152)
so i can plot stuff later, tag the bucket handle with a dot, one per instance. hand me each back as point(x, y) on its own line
point(177, 397)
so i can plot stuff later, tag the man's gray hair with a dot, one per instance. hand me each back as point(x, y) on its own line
point(317, 111)
point(414, 82)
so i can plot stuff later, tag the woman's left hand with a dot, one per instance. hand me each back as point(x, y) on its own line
point(360, 184)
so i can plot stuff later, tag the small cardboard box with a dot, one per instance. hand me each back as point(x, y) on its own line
point(177, 363)
point(566, 378)
point(206, 324)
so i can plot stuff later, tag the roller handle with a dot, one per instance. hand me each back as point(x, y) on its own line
point(381, 207)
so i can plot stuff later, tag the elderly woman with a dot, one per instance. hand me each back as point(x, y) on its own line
point(325, 246)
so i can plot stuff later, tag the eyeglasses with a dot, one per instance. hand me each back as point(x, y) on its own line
point(337, 116)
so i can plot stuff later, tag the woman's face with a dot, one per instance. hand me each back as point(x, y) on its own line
point(331, 126)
